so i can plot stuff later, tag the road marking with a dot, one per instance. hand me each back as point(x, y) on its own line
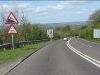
point(88, 58)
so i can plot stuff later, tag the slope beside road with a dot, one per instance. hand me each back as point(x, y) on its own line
point(55, 59)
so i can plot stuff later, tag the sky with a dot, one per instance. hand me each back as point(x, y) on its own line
point(52, 11)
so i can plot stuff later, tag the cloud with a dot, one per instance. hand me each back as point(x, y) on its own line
point(4, 6)
point(74, 2)
point(24, 5)
point(59, 6)
point(45, 9)
point(48, 8)
point(85, 10)
point(19, 6)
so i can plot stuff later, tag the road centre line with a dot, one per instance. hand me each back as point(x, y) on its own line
point(88, 58)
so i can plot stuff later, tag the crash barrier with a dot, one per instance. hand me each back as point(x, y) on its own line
point(8, 46)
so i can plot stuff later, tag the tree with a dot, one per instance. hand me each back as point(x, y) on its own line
point(94, 19)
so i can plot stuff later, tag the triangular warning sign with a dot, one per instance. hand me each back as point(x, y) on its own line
point(11, 19)
point(12, 30)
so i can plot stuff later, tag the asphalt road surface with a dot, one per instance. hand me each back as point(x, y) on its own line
point(58, 59)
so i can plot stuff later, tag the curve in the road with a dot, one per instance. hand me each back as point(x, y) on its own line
point(90, 59)
point(55, 59)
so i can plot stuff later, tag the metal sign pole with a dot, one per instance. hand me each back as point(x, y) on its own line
point(12, 42)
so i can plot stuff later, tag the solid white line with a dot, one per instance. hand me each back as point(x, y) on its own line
point(90, 59)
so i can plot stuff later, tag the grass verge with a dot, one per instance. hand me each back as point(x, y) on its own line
point(94, 40)
point(11, 55)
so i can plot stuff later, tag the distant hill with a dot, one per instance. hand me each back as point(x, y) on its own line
point(50, 25)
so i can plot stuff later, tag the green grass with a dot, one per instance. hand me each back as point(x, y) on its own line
point(11, 55)
point(94, 40)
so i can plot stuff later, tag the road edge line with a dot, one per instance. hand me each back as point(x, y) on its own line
point(86, 57)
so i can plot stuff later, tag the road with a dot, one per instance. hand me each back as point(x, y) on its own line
point(58, 59)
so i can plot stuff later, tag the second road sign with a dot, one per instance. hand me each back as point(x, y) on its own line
point(12, 30)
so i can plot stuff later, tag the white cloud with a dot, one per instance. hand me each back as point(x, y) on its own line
point(74, 2)
point(85, 11)
point(5, 6)
point(24, 5)
point(48, 9)
point(59, 6)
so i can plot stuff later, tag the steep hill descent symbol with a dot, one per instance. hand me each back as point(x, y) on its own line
point(11, 19)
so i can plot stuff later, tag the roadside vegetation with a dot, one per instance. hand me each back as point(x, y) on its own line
point(93, 23)
point(85, 32)
point(65, 31)
point(94, 40)
point(12, 55)
point(26, 32)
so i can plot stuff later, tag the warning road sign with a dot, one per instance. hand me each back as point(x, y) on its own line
point(12, 30)
point(11, 19)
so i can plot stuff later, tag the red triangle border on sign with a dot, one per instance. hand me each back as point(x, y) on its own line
point(14, 17)
point(9, 29)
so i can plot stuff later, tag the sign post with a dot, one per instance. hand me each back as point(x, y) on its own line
point(11, 19)
point(12, 42)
